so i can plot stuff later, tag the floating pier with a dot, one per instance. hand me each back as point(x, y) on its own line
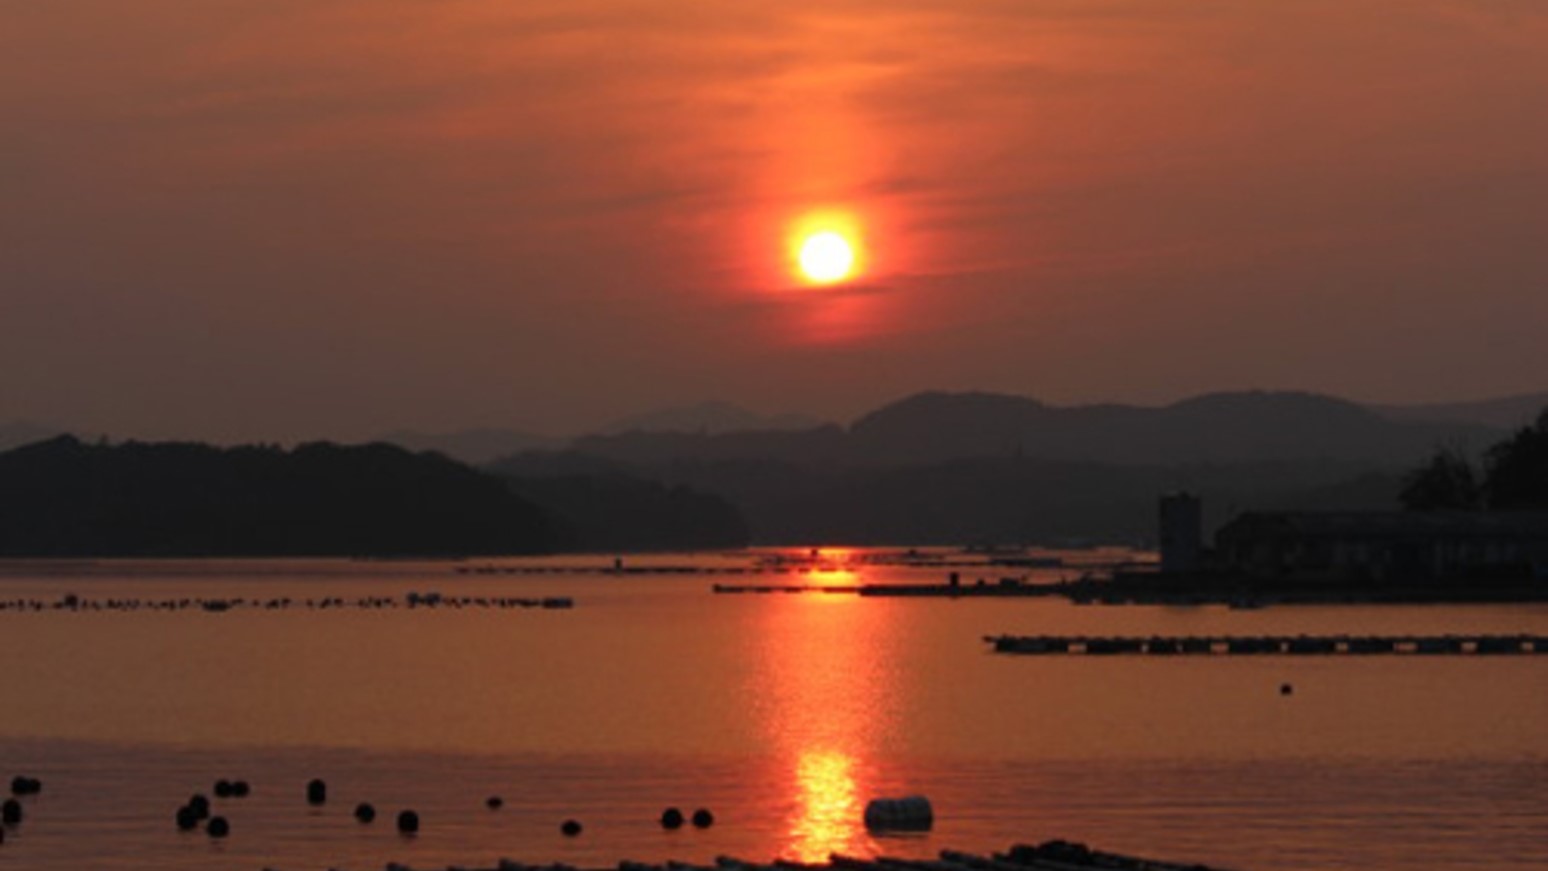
point(1005, 588)
point(1050, 856)
point(1280, 645)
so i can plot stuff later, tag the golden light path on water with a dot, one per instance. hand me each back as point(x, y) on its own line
point(829, 702)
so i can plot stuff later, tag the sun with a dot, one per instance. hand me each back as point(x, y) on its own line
point(826, 257)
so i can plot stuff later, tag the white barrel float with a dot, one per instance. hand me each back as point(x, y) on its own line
point(909, 814)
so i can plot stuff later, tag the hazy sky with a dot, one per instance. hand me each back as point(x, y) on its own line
point(279, 218)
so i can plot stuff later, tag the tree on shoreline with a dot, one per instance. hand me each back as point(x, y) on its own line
point(1515, 476)
point(1446, 483)
point(1518, 469)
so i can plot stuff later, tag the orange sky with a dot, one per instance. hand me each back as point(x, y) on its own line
point(281, 218)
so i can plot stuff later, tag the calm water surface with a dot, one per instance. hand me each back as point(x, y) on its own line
point(782, 713)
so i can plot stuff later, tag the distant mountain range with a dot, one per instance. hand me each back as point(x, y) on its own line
point(1248, 427)
point(981, 467)
point(710, 418)
point(1216, 427)
point(959, 467)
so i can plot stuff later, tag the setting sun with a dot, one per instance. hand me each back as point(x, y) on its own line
point(826, 257)
point(827, 246)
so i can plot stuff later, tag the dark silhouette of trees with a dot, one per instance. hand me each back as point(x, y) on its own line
point(1515, 476)
point(1518, 469)
point(63, 497)
point(1446, 483)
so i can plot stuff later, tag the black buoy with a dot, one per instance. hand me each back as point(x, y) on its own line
point(222, 789)
point(494, 802)
point(1286, 689)
point(23, 785)
point(217, 827)
point(408, 822)
point(703, 819)
point(11, 812)
point(240, 789)
point(187, 819)
point(316, 792)
point(570, 828)
point(199, 805)
point(671, 818)
point(364, 812)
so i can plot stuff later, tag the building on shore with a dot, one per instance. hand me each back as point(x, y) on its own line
point(1377, 546)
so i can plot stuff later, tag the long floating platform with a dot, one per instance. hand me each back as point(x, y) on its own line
point(1050, 856)
point(1284, 645)
point(412, 601)
point(1008, 588)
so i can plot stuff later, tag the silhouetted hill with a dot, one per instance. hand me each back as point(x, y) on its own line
point(975, 467)
point(474, 446)
point(994, 499)
point(66, 498)
point(940, 427)
point(1215, 428)
point(828, 444)
point(610, 512)
point(710, 418)
point(1503, 413)
point(21, 432)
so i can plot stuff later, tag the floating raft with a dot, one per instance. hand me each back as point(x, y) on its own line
point(1050, 856)
point(1292, 645)
point(1008, 587)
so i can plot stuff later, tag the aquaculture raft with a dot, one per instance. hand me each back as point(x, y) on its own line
point(1050, 856)
point(1288, 645)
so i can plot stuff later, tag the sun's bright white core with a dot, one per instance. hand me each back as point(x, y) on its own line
point(826, 257)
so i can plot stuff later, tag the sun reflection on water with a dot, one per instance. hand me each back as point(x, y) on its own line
point(828, 696)
point(826, 820)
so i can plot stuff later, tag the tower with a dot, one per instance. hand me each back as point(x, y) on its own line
point(1182, 533)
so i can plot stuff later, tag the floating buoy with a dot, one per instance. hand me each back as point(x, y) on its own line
point(671, 818)
point(494, 802)
point(240, 789)
point(703, 819)
point(570, 828)
point(364, 812)
point(22, 785)
point(316, 792)
point(222, 789)
point(1286, 689)
point(217, 827)
point(11, 812)
point(187, 819)
point(910, 814)
point(408, 822)
point(199, 805)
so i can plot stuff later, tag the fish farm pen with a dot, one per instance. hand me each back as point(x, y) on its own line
point(1287, 645)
